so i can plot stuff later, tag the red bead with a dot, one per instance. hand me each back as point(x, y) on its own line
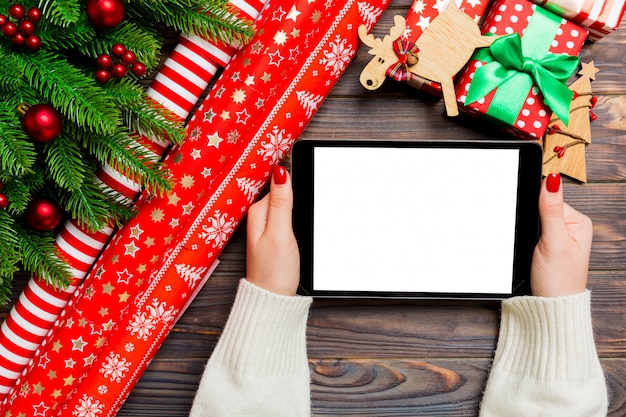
point(3, 20)
point(104, 61)
point(18, 39)
point(558, 148)
point(561, 153)
point(26, 27)
point(138, 69)
point(43, 214)
point(118, 50)
point(34, 14)
point(594, 101)
point(592, 115)
point(9, 29)
point(42, 123)
point(118, 71)
point(103, 75)
point(4, 201)
point(105, 14)
point(575, 96)
point(16, 11)
point(33, 42)
point(129, 58)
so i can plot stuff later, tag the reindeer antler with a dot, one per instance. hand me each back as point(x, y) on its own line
point(369, 40)
point(396, 30)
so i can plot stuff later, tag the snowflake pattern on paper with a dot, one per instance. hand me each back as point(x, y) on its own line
point(338, 56)
point(115, 367)
point(277, 146)
point(88, 407)
point(219, 229)
point(145, 322)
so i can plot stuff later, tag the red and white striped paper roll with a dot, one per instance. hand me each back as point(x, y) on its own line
point(23, 332)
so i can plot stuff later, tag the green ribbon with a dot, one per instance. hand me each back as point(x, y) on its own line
point(514, 64)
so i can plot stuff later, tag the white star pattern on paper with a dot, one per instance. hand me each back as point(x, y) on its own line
point(196, 154)
point(419, 6)
point(206, 172)
point(242, 116)
point(238, 96)
point(131, 249)
point(280, 37)
point(473, 3)
point(275, 58)
point(124, 276)
point(424, 22)
point(293, 14)
point(214, 140)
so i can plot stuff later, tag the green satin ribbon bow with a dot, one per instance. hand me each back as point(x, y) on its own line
point(549, 73)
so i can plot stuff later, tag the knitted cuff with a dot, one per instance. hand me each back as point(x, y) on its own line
point(265, 333)
point(548, 339)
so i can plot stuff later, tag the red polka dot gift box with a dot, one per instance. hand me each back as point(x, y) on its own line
point(520, 80)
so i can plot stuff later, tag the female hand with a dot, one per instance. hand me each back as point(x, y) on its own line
point(273, 259)
point(561, 259)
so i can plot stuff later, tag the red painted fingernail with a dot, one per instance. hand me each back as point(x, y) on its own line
point(553, 183)
point(280, 175)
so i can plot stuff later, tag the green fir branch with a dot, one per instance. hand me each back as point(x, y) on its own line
point(10, 71)
point(66, 38)
point(17, 152)
point(156, 122)
point(19, 190)
point(70, 91)
point(95, 206)
point(40, 256)
point(9, 255)
point(65, 163)
point(60, 12)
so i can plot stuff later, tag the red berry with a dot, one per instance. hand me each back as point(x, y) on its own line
point(3, 20)
point(561, 153)
point(594, 101)
point(33, 42)
point(9, 29)
point(16, 11)
point(34, 14)
point(4, 201)
point(129, 58)
point(118, 71)
point(103, 75)
point(26, 27)
point(592, 115)
point(138, 69)
point(558, 148)
point(118, 50)
point(104, 61)
point(18, 39)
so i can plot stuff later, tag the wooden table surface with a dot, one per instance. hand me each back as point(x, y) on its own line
point(409, 358)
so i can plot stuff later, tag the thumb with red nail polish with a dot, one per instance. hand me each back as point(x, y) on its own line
point(561, 259)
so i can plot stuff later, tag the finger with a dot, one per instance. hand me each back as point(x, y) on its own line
point(551, 208)
point(280, 203)
point(257, 219)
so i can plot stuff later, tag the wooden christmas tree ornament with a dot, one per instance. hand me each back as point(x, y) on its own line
point(440, 52)
point(564, 146)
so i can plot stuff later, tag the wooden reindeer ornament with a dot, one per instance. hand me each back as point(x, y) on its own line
point(564, 146)
point(440, 52)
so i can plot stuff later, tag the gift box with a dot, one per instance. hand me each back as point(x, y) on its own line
point(599, 17)
point(421, 13)
point(521, 79)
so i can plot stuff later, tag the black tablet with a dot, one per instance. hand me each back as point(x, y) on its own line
point(431, 219)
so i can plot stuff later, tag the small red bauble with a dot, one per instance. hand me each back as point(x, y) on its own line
point(118, 71)
point(18, 39)
point(42, 123)
point(4, 201)
point(104, 61)
point(16, 11)
point(105, 14)
point(129, 58)
point(26, 27)
point(118, 50)
point(33, 42)
point(43, 214)
point(3, 20)
point(9, 29)
point(138, 69)
point(34, 14)
point(103, 75)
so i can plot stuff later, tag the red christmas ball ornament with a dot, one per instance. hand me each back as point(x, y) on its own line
point(138, 69)
point(32, 42)
point(18, 39)
point(16, 11)
point(129, 58)
point(105, 14)
point(3, 20)
point(26, 27)
point(118, 50)
point(43, 214)
point(103, 75)
point(118, 71)
point(33, 14)
point(9, 29)
point(4, 201)
point(104, 61)
point(42, 123)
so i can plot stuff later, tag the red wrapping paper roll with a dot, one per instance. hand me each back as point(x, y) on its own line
point(39, 306)
point(140, 334)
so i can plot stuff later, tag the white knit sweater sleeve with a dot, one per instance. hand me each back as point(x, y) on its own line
point(546, 362)
point(259, 366)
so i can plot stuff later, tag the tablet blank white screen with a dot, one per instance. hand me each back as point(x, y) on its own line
point(414, 219)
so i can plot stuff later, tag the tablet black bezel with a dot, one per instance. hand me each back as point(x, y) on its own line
point(526, 223)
